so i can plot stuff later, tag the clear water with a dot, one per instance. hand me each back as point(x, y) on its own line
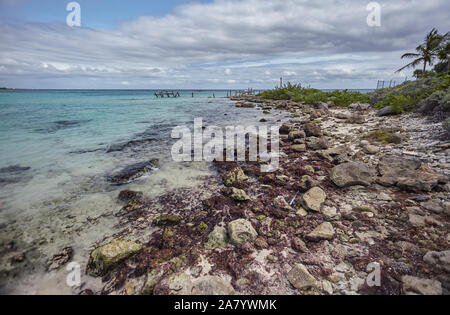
point(57, 148)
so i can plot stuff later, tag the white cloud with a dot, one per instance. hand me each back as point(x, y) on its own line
point(202, 44)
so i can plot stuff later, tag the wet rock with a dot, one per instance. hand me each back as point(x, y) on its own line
point(414, 286)
point(167, 220)
point(324, 231)
point(313, 199)
point(301, 279)
point(217, 238)
point(241, 231)
point(298, 147)
point(131, 206)
point(234, 176)
point(128, 195)
point(439, 260)
point(108, 256)
point(212, 285)
point(351, 173)
point(312, 130)
point(60, 259)
point(134, 171)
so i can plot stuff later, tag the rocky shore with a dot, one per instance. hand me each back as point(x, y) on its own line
point(354, 190)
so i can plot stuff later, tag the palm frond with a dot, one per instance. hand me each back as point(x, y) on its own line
point(410, 65)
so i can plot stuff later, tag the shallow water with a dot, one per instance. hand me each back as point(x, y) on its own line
point(57, 149)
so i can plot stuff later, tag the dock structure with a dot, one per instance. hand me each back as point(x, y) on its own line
point(167, 93)
point(248, 92)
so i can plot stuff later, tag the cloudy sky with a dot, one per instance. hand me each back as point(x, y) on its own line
point(210, 44)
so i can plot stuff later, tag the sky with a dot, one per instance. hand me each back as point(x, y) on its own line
point(215, 44)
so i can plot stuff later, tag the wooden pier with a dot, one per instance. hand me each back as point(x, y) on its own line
point(167, 93)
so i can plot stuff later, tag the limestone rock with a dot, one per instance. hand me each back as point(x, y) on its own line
point(217, 238)
point(385, 111)
point(312, 130)
point(313, 199)
point(234, 176)
point(212, 285)
point(298, 147)
point(351, 173)
point(300, 278)
point(324, 231)
point(280, 202)
point(237, 194)
point(414, 286)
point(106, 257)
point(440, 260)
point(241, 231)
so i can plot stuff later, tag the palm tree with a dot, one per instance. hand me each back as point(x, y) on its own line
point(427, 52)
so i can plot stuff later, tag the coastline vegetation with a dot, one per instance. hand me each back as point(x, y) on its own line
point(429, 93)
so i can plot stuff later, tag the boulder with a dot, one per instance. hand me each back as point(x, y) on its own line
point(301, 279)
point(414, 286)
point(217, 238)
point(106, 257)
point(385, 111)
point(351, 174)
point(408, 174)
point(241, 231)
point(312, 130)
point(324, 231)
point(313, 199)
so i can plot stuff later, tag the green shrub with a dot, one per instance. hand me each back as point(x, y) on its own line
point(399, 103)
point(313, 96)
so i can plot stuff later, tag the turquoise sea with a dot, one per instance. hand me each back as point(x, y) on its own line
point(58, 149)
